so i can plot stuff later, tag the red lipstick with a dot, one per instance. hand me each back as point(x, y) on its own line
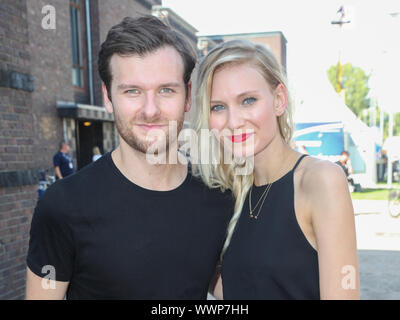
point(240, 137)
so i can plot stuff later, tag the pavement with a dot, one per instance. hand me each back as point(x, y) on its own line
point(378, 243)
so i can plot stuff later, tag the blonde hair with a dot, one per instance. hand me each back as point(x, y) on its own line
point(216, 174)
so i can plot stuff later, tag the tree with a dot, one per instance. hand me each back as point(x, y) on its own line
point(355, 83)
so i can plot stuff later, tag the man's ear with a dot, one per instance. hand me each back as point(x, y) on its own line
point(107, 102)
point(188, 97)
point(280, 99)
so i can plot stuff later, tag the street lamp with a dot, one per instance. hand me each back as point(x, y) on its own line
point(340, 21)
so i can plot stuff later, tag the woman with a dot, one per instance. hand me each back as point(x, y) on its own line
point(292, 234)
point(96, 153)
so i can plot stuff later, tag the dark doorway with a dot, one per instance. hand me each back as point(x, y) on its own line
point(89, 135)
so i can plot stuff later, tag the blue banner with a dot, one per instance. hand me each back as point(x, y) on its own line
point(319, 138)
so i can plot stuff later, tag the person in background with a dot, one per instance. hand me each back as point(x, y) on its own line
point(382, 165)
point(345, 163)
point(63, 164)
point(96, 153)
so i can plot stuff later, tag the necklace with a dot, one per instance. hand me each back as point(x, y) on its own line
point(263, 197)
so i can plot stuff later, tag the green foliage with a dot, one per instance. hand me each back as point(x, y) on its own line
point(355, 83)
point(371, 194)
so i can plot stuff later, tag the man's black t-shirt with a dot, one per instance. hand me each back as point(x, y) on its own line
point(112, 239)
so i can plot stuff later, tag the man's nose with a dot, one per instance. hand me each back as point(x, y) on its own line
point(150, 107)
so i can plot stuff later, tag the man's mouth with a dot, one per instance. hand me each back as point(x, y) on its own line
point(148, 127)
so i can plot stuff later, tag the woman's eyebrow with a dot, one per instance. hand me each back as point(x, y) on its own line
point(247, 93)
point(238, 96)
point(215, 101)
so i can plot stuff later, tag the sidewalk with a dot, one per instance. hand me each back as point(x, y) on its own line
point(378, 243)
point(369, 206)
point(379, 274)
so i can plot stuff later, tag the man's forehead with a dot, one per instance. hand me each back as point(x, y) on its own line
point(163, 65)
point(166, 55)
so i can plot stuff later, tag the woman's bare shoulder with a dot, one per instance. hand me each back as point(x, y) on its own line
point(319, 174)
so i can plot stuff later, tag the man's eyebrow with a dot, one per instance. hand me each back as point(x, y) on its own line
point(170, 84)
point(124, 86)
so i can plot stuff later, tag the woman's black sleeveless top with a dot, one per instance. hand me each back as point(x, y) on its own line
point(269, 257)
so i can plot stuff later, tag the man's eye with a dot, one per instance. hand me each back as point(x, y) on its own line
point(250, 100)
point(132, 91)
point(166, 90)
point(217, 107)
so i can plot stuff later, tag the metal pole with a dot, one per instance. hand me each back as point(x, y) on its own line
point(381, 123)
point(390, 166)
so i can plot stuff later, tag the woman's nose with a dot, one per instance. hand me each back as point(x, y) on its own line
point(236, 120)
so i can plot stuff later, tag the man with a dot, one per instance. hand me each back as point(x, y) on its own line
point(63, 165)
point(123, 228)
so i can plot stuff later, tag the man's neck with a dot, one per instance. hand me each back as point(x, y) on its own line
point(136, 168)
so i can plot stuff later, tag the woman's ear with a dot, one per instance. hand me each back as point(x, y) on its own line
point(280, 99)
point(107, 102)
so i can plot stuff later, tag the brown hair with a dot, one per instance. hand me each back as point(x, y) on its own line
point(139, 36)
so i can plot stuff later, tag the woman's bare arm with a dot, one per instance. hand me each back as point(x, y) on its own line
point(333, 223)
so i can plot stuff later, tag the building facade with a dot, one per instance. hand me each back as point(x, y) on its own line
point(50, 91)
point(274, 40)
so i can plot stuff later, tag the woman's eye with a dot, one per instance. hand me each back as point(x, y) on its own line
point(250, 100)
point(166, 90)
point(217, 107)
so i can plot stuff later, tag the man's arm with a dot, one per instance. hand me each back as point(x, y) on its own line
point(38, 288)
point(215, 287)
point(218, 292)
point(58, 172)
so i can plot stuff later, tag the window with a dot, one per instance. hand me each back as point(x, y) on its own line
point(77, 63)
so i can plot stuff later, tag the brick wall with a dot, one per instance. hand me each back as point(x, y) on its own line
point(16, 146)
point(35, 66)
point(51, 57)
point(16, 205)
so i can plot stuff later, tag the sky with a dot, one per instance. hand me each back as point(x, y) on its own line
point(371, 41)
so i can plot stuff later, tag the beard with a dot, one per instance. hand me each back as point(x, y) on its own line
point(126, 131)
